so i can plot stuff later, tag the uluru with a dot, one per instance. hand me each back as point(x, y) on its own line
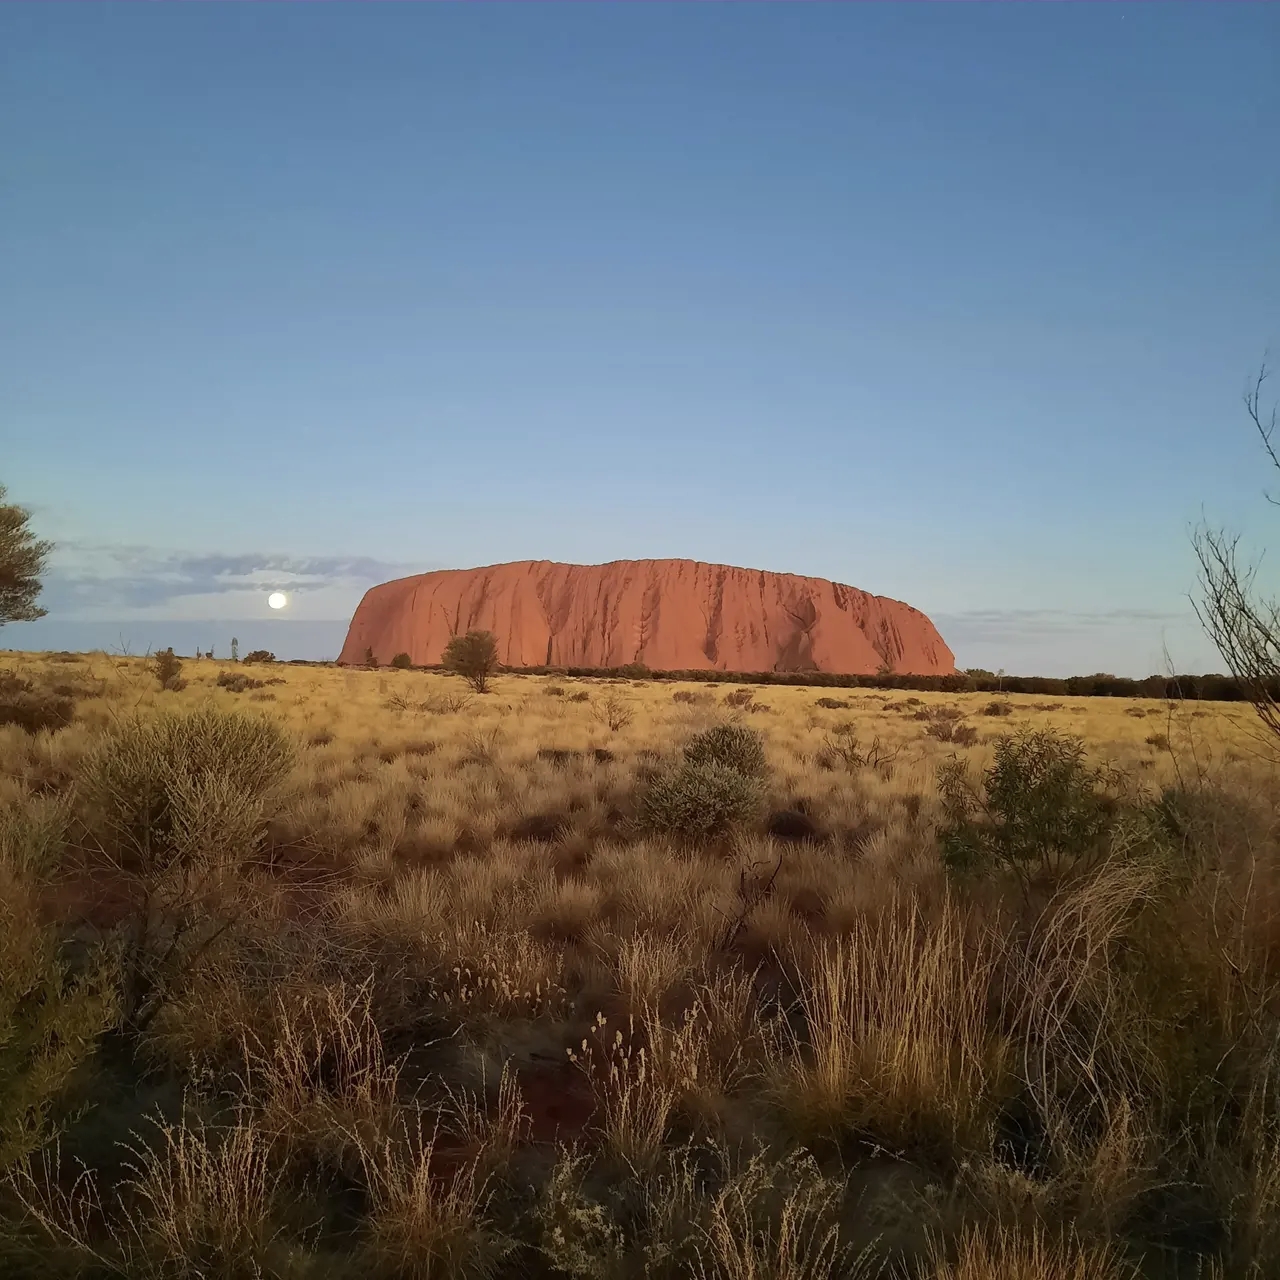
point(669, 615)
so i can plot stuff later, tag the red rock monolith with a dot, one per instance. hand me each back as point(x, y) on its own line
point(670, 615)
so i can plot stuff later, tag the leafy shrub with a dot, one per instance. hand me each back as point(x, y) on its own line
point(738, 698)
point(153, 786)
point(370, 658)
point(179, 802)
point(1040, 808)
point(32, 709)
point(50, 1021)
point(701, 799)
point(402, 662)
point(998, 707)
point(259, 655)
point(168, 670)
point(732, 746)
point(473, 656)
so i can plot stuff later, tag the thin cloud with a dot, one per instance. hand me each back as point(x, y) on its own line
point(1062, 642)
point(1020, 624)
point(92, 579)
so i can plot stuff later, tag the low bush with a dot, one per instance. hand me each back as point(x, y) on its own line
point(177, 802)
point(33, 709)
point(168, 670)
point(259, 655)
point(152, 784)
point(402, 662)
point(50, 1019)
point(474, 657)
point(832, 704)
point(702, 799)
point(614, 713)
point(1040, 808)
point(841, 749)
point(731, 746)
point(998, 707)
point(236, 683)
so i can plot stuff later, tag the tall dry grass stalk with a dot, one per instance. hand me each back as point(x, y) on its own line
point(1001, 1254)
point(202, 1202)
point(775, 1221)
point(427, 1212)
point(1090, 1050)
point(194, 1201)
point(896, 1040)
point(322, 1084)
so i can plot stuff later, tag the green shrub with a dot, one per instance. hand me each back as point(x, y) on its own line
point(50, 1020)
point(1040, 808)
point(178, 802)
point(402, 662)
point(699, 800)
point(154, 786)
point(731, 745)
point(33, 709)
point(259, 655)
point(168, 669)
point(473, 656)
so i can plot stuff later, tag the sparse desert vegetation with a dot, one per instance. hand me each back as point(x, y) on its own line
point(351, 972)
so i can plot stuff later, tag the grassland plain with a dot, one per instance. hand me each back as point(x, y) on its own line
point(321, 972)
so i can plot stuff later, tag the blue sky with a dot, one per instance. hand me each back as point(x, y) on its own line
point(953, 303)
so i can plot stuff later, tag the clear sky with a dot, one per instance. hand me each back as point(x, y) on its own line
point(954, 303)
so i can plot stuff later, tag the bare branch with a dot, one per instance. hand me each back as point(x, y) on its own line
point(1265, 427)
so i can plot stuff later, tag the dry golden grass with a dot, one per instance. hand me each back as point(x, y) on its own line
point(445, 975)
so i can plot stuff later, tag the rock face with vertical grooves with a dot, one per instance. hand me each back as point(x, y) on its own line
point(670, 615)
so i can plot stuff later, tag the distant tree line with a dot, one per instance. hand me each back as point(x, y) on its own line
point(1206, 688)
point(1210, 688)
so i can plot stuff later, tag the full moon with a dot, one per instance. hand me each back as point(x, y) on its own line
point(277, 600)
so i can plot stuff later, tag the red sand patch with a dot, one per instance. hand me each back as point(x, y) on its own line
point(559, 1100)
